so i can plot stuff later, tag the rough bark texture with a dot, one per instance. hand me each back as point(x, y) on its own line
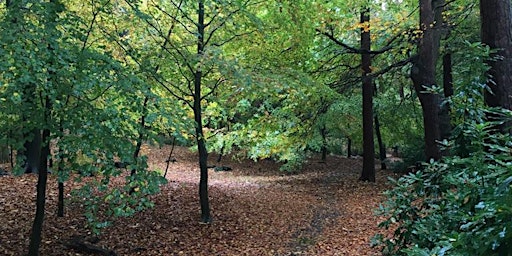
point(203, 154)
point(423, 75)
point(496, 32)
point(368, 173)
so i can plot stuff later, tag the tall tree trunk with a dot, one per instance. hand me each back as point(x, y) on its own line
point(496, 32)
point(423, 75)
point(201, 146)
point(368, 173)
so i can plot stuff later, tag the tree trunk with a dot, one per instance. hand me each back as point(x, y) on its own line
point(349, 147)
point(382, 148)
point(445, 126)
point(423, 75)
point(496, 32)
point(60, 182)
point(201, 146)
point(37, 226)
point(60, 204)
point(32, 150)
point(368, 173)
point(140, 138)
point(323, 133)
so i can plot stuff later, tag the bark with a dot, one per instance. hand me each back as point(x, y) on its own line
point(496, 32)
point(170, 158)
point(60, 204)
point(140, 138)
point(423, 75)
point(37, 226)
point(60, 183)
point(445, 126)
point(368, 173)
point(32, 150)
point(201, 146)
point(349, 147)
point(382, 148)
point(323, 133)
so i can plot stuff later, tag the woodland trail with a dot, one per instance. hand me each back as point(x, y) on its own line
point(257, 210)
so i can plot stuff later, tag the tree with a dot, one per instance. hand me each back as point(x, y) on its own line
point(187, 59)
point(496, 32)
point(423, 74)
point(368, 173)
point(201, 146)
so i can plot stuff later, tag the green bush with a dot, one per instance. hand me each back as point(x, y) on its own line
point(461, 205)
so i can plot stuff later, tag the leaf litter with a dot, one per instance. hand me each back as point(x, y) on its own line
point(256, 210)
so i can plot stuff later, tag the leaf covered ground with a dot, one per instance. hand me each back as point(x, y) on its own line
point(256, 209)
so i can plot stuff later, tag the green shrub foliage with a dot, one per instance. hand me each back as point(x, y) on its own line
point(461, 205)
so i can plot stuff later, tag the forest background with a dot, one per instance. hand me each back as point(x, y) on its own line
point(86, 84)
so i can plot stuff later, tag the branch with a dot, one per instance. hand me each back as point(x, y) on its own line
point(174, 17)
point(233, 37)
point(185, 15)
point(350, 48)
point(215, 86)
point(392, 66)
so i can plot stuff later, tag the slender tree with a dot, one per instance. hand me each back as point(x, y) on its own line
point(201, 146)
point(368, 173)
point(50, 15)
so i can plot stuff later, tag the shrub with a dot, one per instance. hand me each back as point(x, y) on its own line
point(461, 205)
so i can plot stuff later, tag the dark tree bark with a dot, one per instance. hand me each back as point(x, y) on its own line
point(496, 32)
point(32, 148)
point(423, 75)
point(140, 138)
point(201, 146)
point(60, 183)
point(37, 226)
point(445, 126)
point(382, 148)
point(349, 147)
point(170, 158)
point(60, 204)
point(368, 173)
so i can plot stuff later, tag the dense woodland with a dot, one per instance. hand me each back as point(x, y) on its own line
point(85, 85)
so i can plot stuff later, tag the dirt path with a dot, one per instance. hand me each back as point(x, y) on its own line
point(257, 210)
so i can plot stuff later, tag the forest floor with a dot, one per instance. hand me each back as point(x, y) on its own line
point(256, 210)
